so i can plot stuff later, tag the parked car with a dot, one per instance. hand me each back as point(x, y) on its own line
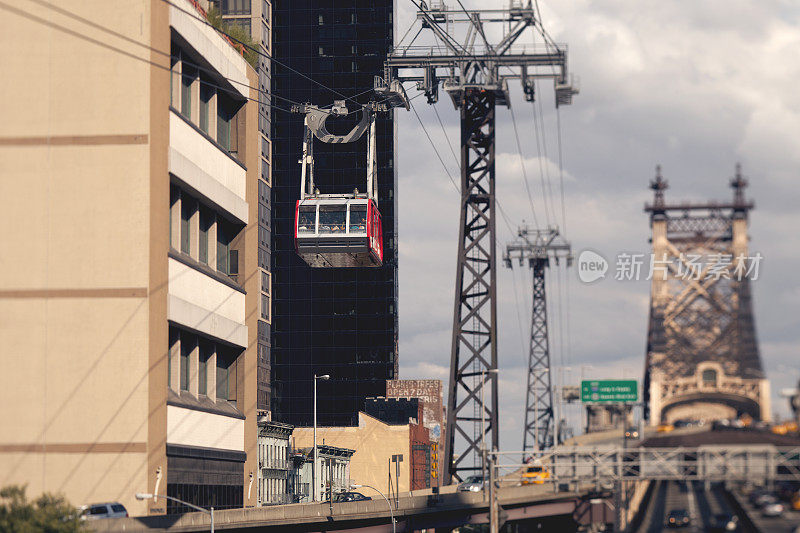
point(96, 511)
point(772, 509)
point(349, 497)
point(678, 518)
point(472, 484)
point(725, 522)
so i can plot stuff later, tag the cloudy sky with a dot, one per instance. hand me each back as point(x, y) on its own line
point(693, 86)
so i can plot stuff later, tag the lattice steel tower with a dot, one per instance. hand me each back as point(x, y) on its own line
point(702, 356)
point(538, 247)
point(475, 73)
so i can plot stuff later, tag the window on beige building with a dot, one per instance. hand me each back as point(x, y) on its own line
point(188, 206)
point(226, 374)
point(227, 109)
point(188, 75)
point(174, 197)
point(187, 345)
point(203, 98)
point(266, 290)
point(206, 350)
point(206, 94)
point(212, 364)
point(206, 220)
point(202, 232)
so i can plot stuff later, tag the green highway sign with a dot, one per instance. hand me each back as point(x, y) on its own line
point(610, 391)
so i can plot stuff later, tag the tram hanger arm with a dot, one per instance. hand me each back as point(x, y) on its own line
point(316, 118)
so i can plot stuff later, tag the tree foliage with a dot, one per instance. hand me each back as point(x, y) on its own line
point(237, 33)
point(49, 513)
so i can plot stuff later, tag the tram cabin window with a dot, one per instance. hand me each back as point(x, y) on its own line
point(332, 218)
point(306, 219)
point(358, 219)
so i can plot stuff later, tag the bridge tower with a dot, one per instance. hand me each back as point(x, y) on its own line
point(702, 354)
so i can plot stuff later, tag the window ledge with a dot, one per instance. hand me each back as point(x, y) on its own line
point(205, 269)
point(203, 403)
point(208, 137)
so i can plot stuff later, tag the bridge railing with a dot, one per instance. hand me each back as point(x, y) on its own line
point(707, 463)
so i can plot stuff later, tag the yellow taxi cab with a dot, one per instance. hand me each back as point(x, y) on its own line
point(535, 474)
point(665, 428)
point(783, 429)
point(780, 429)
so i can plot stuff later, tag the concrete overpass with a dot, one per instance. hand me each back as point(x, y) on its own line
point(415, 511)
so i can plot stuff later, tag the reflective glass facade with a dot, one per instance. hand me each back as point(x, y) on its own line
point(341, 322)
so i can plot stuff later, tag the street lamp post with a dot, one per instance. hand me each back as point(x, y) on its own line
point(391, 513)
point(149, 496)
point(585, 409)
point(483, 422)
point(314, 468)
point(560, 413)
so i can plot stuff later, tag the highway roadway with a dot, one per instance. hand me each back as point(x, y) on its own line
point(702, 505)
point(782, 524)
point(615, 437)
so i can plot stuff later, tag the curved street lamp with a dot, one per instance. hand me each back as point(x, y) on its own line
point(324, 377)
point(149, 496)
point(391, 513)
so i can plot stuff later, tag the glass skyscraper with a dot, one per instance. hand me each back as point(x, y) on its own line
point(341, 322)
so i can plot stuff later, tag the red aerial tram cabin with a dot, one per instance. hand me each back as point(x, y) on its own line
point(338, 232)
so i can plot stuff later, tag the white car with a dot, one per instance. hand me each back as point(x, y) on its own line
point(96, 511)
point(471, 484)
point(772, 509)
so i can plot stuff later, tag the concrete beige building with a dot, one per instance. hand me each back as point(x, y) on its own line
point(130, 287)
point(374, 442)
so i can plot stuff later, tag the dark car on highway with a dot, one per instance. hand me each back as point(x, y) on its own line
point(724, 523)
point(349, 497)
point(678, 518)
